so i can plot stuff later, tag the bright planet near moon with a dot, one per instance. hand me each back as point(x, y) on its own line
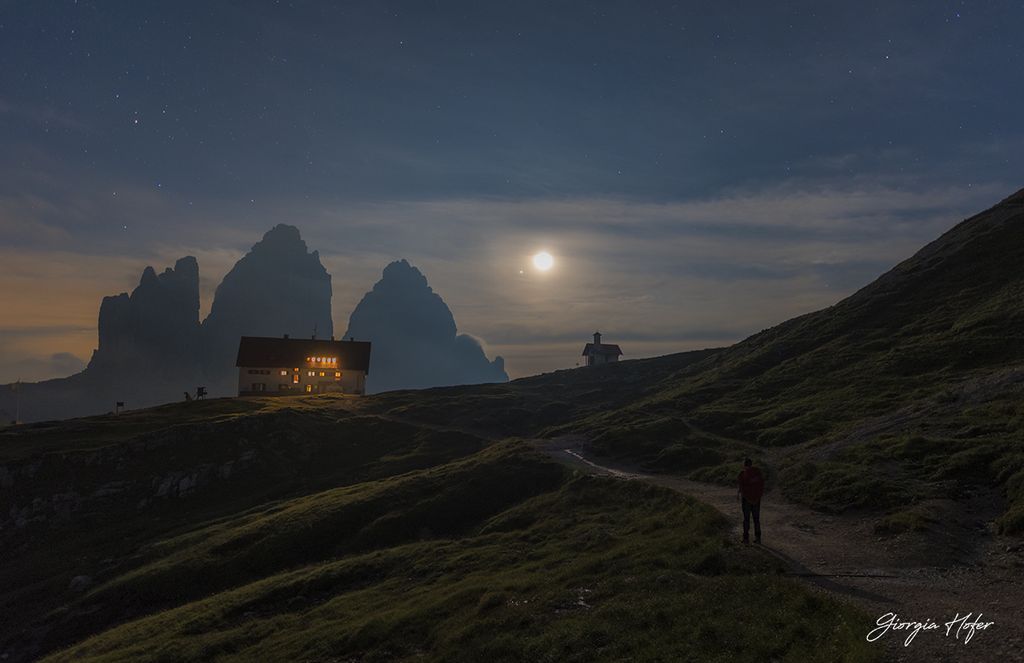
point(543, 261)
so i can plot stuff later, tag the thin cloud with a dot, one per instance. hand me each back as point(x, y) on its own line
point(698, 273)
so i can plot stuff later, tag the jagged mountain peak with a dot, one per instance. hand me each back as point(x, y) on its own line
point(278, 287)
point(282, 239)
point(415, 339)
point(401, 273)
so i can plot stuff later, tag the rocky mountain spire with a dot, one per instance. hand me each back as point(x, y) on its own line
point(279, 287)
point(415, 340)
point(157, 323)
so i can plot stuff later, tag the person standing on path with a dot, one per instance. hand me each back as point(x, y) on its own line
point(751, 488)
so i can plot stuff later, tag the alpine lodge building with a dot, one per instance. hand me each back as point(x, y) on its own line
point(290, 366)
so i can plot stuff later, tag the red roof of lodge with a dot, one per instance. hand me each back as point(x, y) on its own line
point(283, 352)
point(601, 349)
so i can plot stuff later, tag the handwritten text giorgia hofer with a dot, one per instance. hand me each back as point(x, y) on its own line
point(958, 626)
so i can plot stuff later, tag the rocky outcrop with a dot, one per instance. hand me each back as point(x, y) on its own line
point(152, 347)
point(416, 343)
point(279, 287)
point(147, 354)
point(157, 324)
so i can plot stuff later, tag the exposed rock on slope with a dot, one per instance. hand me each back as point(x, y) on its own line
point(415, 341)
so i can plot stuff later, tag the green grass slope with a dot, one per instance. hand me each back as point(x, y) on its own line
point(907, 389)
point(314, 529)
point(503, 556)
point(93, 506)
point(406, 525)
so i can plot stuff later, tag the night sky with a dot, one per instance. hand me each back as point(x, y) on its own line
point(699, 170)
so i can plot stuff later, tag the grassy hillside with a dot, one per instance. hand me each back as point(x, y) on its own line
point(909, 388)
point(352, 536)
point(92, 505)
point(503, 555)
point(410, 525)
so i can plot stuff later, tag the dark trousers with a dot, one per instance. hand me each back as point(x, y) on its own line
point(751, 510)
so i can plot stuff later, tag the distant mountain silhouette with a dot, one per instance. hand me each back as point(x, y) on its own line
point(415, 340)
point(153, 348)
point(279, 287)
point(895, 414)
point(157, 326)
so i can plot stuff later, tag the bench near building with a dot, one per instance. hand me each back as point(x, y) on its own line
point(285, 366)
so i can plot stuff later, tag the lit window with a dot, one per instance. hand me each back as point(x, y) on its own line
point(312, 373)
point(337, 374)
point(309, 388)
point(296, 370)
point(295, 378)
point(284, 372)
point(322, 373)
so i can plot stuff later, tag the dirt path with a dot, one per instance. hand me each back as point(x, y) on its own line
point(959, 568)
point(962, 568)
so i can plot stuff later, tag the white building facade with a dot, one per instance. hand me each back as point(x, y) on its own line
point(598, 353)
point(286, 366)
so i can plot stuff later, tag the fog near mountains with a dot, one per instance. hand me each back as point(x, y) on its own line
point(153, 347)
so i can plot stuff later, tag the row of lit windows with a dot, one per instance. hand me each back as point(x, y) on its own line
point(311, 374)
point(295, 373)
point(323, 360)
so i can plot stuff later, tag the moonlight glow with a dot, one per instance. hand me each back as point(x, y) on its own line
point(543, 261)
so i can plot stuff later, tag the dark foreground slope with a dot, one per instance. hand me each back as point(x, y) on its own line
point(311, 529)
point(909, 389)
point(402, 526)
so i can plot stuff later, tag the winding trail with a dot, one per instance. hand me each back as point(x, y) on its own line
point(961, 568)
point(958, 568)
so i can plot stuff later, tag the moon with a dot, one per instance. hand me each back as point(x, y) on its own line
point(543, 261)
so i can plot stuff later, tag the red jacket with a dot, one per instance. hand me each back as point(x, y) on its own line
point(751, 484)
